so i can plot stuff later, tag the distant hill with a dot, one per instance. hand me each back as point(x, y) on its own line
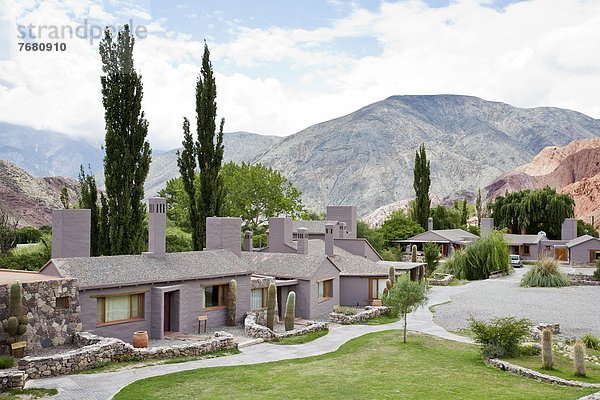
point(573, 169)
point(29, 199)
point(46, 153)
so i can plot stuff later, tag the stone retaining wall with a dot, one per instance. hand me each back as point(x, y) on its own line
point(441, 281)
point(529, 373)
point(368, 313)
point(254, 329)
point(99, 350)
point(12, 379)
point(583, 280)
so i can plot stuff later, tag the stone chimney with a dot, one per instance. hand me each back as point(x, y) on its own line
point(341, 230)
point(568, 230)
point(345, 214)
point(430, 224)
point(329, 239)
point(248, 246)
point(157, 227)
point(302, 242)
point(71, 233)
point(224, 233)
point(486, 225)
point(280, 235)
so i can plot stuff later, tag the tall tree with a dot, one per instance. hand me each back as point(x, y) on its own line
point(64, 197)
point(127, 158)
point(421, 184)
point(186, 161)
point(464, 213)
point(88, 198)
point(478, 207)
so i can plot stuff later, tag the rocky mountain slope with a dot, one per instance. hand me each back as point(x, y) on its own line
point(30, 199)
point(46, 153)
point(366, 158)
point(573, 169)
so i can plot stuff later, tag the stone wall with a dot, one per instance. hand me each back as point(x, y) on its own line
point(368, 313)
point(443, 280)
point(48, 326)
point(98, 350)
point(12, 379)
point(254, 329)
point(536, 331)
point(583, 280)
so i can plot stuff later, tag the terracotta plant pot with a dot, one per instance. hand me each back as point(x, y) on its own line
point(140, 339)
point(376, 303)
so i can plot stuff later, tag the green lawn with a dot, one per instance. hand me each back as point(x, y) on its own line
point(309, 337)
point(563, 367)
point(26, 394)
point(373, 366)
point(381, 320)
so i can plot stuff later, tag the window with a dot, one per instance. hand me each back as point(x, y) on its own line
point(325, 289)
point(119, 308)
point(525, 249)
point(376, 286)
point(215, 296)
point(258, 298)
point(62, 303)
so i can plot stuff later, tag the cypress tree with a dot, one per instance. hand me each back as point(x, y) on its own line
point(464, 213)
point(88, 198)
point(478, 207)
point(187, 168)
point(421, 184)
point(127, 158)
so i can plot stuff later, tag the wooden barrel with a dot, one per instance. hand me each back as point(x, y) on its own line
point(140, 339)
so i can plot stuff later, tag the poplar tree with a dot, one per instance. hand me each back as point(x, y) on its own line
point(421, 184)
point(208, 149)
point(186, 161)
point(127, 158)
point(478, 207)
point(88, 198)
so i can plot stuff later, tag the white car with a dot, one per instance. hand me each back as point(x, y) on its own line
point(515, 261)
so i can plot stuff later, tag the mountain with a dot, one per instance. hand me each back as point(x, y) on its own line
point(30, 199)
point(573, 169)
point(46, 153)
point(239, 146)
point(366, 157)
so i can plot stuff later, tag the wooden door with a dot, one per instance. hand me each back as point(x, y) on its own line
point(167, 312)
point(560, 253)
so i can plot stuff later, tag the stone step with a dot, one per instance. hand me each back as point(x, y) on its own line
point(250, 342)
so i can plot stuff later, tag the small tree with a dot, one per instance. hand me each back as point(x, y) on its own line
point(431, 253)
point(8, 232)
point(404, 297)
point(64, 197)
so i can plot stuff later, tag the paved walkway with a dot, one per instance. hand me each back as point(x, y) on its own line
point(103, 386)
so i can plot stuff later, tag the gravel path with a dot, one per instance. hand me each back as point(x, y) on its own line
point(576, 308)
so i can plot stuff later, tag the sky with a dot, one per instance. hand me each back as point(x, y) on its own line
point(284, 65)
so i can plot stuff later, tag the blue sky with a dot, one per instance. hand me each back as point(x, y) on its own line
point(282, 66)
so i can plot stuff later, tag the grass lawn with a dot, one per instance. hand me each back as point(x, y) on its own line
point(373, 366)
point(563, 367)
point(466, 332)
point(37, 393)
point(309, 337)
point(381, 320)
point(132, 364)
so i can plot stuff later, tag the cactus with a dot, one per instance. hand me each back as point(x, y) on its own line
point(392, 275)
point(16, 325)
point(290, 311)
point(579, 358)
point(231, 302)
point(386, 292)
point(388, 284)
point(547, 360)
point(413, 253)
point(271, 296)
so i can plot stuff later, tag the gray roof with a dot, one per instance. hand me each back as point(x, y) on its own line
point(314, 227)
point(284, 265)
point(516, 240)
point(400, 265)
point(96, 272)
point(442, 236)
point(349, 264)
point(580, 240)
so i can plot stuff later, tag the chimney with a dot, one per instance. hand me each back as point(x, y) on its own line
point(430, 224)
point(345, 214)
point(157, 227)
point(341, 230)
point(71, 233)
point(280, 235)
point(329, 239)
point(486, 226)
point(248, 246)
point(302, 242)
point(568, 230)
point(224, 233)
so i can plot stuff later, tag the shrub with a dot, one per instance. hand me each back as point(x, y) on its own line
point(345, 310)
point(500, 337)
point(530, 349)
point(431, 252)
point(579, 358)
point(6, 362)
point(591, 341)
point(488, 254)
point(178, 240)
point(545, 273)
point(597, 271)
point(547, 356)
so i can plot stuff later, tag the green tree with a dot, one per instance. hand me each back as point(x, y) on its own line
point(178, 203)
point(8, 232)
point(255, 193)
point(404, 297)
point(583, 228)
point(531, 211)
point(431, 254)
point(373, 235)
point(399, 227)
point(88, 198)
point(445, 217)
point(64, 197)
point(127, 158)
point(421, 184)
point(464, 213)
point(206, 199)
point(478, 207)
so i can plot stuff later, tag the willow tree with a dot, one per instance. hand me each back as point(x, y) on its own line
point(127, 158)
point(421, 184)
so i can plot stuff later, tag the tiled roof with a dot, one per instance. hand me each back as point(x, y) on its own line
point(284, 265)
point(516, 240)
point(580, 240)
point(442, 236)
point(348, 263)
point(92, 272)
point(314, 227)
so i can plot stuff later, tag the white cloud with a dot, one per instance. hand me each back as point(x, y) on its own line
point(538, 52)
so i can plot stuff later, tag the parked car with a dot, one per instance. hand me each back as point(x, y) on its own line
point(515, 261)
